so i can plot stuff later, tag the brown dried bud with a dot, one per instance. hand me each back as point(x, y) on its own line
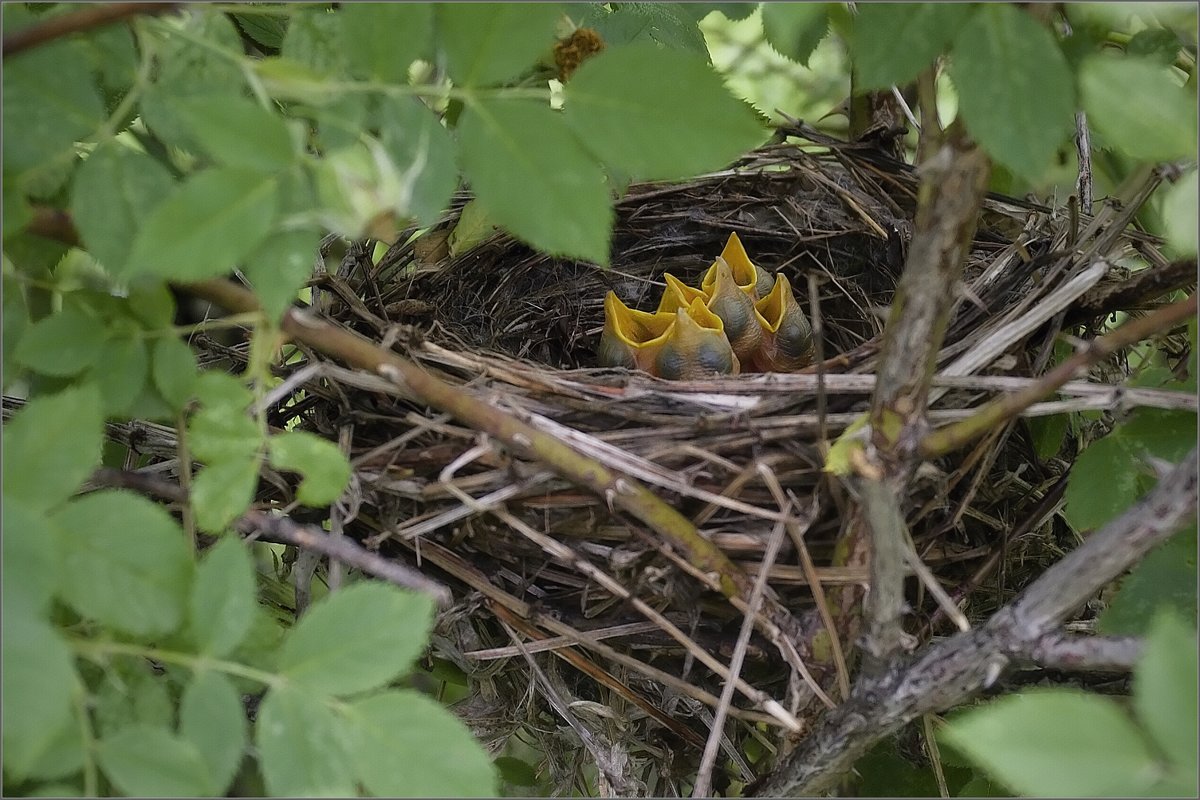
point(572, 51)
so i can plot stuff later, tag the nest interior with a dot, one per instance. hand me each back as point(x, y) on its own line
point(519, 328)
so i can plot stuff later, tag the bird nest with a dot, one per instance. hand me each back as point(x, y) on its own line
point(535, 562)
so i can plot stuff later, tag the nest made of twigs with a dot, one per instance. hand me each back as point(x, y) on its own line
point(519, 328)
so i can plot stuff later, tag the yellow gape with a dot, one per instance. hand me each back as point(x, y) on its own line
point(740, 315)
point(696, 346)
point(787, 343)
point(631, 338)
point(737, 259)
point(731, 301)
point(678, 295)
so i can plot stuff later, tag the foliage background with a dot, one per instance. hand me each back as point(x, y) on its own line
point(181, 145)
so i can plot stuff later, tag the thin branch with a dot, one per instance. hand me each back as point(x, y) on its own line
point(1086, 653)
point(950, 437)
point(1083, 146)
point(284, 530)
point(86, 19)
point(1138, 289)
point(950, 672)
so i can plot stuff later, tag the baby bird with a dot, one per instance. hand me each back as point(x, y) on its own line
point(787, 343)
point(696, 346)
point(678, 295)
point(631, 338)
point(729, 300)
point(753, 279)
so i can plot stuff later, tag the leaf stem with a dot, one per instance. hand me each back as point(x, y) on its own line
point(95, 650)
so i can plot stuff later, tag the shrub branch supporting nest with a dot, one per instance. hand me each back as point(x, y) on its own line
point(705, 503)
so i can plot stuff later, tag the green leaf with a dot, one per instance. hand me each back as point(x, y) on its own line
point(50, 102)
point(1103, 483)
point(124, 562)
point(795, 29)
point(224, 391)
point(148, 761)
point(422, 149)
point(314, 40)
point(266, 30)
point(1164, 690)
point(892, 43)
point(1164, 434)
point(239, 132)
point(216, 435)
point(223, 598)
point(1139, 107)
point(15, 322)
point(17, 211)
point(113, 55)
point(1159, 45)
point(1049, 433)
point(303, 750)
point(63, 757)
point(515, 771)
point(382, 39)
point(324, 467)
point(1164, 578)
point(122, 372)
point(666, 25)
point(280, 267)
point(186, 68)
point(1179, 215)
point(131, 693)
point(441, 758)
point(490, 43)
point(1057, 743)
point(356, 639)
point(31, 572)
point(532, 177)
point(212, 720)
point(115, 190)
point(63, 344)
point(221, 492)
point(152, 303)
point(473, 228)
point(174, 369)
point(1015, 89)
point(206, 225)
point(657, 114)
point(56, 439)
point(38, 681)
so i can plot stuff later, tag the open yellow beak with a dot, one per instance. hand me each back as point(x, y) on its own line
point(631, 337)
point(678, 295)
point(787, 343)
point(733, 304)
point(696, 346)
point(751, 278)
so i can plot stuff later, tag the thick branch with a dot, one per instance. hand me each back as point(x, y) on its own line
point(76, 22)
point(953, 184)
point(950, 437)
point(950, 672)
